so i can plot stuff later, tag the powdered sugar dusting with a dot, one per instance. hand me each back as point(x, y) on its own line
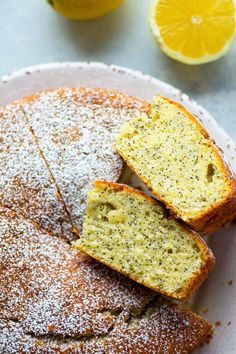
point(51, 289)
point(52, 298)
point(25, 183)
point(76, 130)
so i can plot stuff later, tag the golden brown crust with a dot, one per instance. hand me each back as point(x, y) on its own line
point(119, 187)
point(195, 281)
point(98, 97)
point(162, 328)
point(223, 211)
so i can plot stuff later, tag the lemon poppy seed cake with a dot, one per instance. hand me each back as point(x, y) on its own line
point(56, 300)
point(75, 131)
point(174, 155)
point(130, 232)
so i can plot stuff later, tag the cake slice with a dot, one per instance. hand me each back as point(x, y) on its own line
point(132, 233)
point(174, 155)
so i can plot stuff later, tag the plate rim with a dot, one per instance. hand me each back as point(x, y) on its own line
point(136, 74)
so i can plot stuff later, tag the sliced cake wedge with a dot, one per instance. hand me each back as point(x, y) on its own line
point(132, 233)
point(174, 155)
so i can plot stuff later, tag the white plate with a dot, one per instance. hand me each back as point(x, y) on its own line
point(216, 294)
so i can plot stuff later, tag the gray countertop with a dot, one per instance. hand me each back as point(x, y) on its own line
point(31, 33)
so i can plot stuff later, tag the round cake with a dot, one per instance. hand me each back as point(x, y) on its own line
point(53, 299)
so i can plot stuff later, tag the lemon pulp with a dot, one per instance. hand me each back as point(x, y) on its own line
point(194, 31)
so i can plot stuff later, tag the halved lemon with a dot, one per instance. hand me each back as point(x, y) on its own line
point(193, 31)
point(84, 9)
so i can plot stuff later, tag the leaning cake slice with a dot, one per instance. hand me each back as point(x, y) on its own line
point(174, 155)
point(132, 233)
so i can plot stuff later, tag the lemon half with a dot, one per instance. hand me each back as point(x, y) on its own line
point(84, 9)
point(193, 31)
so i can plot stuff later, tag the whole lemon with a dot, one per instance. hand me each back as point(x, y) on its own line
point(84, 9)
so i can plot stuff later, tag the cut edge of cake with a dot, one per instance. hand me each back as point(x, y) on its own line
point(197, 278)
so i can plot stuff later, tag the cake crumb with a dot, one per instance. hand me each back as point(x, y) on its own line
point(230, 282)
point(205, 310)
point(52, 327)
point(209, 338)
point(229, 323)
point(218, 323)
